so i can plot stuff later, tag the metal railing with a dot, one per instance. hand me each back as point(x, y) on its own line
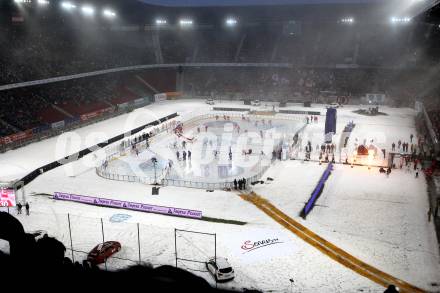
point(162, 180)
point(198, 184)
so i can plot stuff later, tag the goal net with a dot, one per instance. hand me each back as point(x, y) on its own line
point(193, 249)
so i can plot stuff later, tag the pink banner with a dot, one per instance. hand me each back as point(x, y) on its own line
point(7, 197)
point(94, 114)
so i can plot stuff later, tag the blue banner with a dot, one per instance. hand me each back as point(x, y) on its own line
point(330, 121)
point(316, 192)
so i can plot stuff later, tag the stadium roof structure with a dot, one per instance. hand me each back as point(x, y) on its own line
point(201, 3)
point(249, 12)
point(373, 10)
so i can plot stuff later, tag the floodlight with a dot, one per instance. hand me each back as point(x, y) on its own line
point(347, 20)
point(160, 21)
point(43, 2)
point(400, 19)
point(68, 5)
point(231, 22)
point(88, 10)
point(185, 22)
point(108, 13)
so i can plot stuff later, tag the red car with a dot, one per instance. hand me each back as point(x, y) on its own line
point(103, 251)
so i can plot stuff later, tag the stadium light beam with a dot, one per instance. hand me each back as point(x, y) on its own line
point(108, 13)
point(68, 5)
point(88, 10)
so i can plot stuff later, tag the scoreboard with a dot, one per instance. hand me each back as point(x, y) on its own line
point(7, 197)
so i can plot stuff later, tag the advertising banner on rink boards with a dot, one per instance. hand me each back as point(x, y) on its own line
point(87, 116)
point(7, 197)
point(104, 202)
point(376, 98)
point(160, 97)
point(17, 136)
point(58, 124)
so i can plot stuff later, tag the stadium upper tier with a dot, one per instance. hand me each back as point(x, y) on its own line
point(35, 52)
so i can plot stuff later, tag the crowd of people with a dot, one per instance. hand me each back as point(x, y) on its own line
point(435, 119)
point(401, 87)
point(40, 52)
point(36, 106)
point(47, 51)
point(33, 53)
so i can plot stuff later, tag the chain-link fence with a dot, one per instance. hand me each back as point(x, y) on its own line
point(79, 234)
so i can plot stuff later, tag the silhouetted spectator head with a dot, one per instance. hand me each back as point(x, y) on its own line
point(11, 231)
point(50, 251)
point(391, 289)
point(170, 277)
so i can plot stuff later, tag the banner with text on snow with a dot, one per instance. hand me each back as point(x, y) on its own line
point(120, 204)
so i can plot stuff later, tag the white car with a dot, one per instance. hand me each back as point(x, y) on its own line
point(209, 101)
point(220, 269)
point(255, 103)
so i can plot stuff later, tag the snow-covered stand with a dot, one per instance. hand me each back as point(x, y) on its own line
point(76, 156)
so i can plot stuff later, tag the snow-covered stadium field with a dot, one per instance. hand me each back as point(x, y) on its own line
point(383, 221)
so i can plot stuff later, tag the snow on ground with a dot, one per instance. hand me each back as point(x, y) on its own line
point(266, 269)
point(380, 220)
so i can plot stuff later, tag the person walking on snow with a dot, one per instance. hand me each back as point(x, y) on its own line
point(19, 207)
point(27, 209)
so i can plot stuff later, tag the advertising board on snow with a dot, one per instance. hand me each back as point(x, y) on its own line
point(104, 202)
